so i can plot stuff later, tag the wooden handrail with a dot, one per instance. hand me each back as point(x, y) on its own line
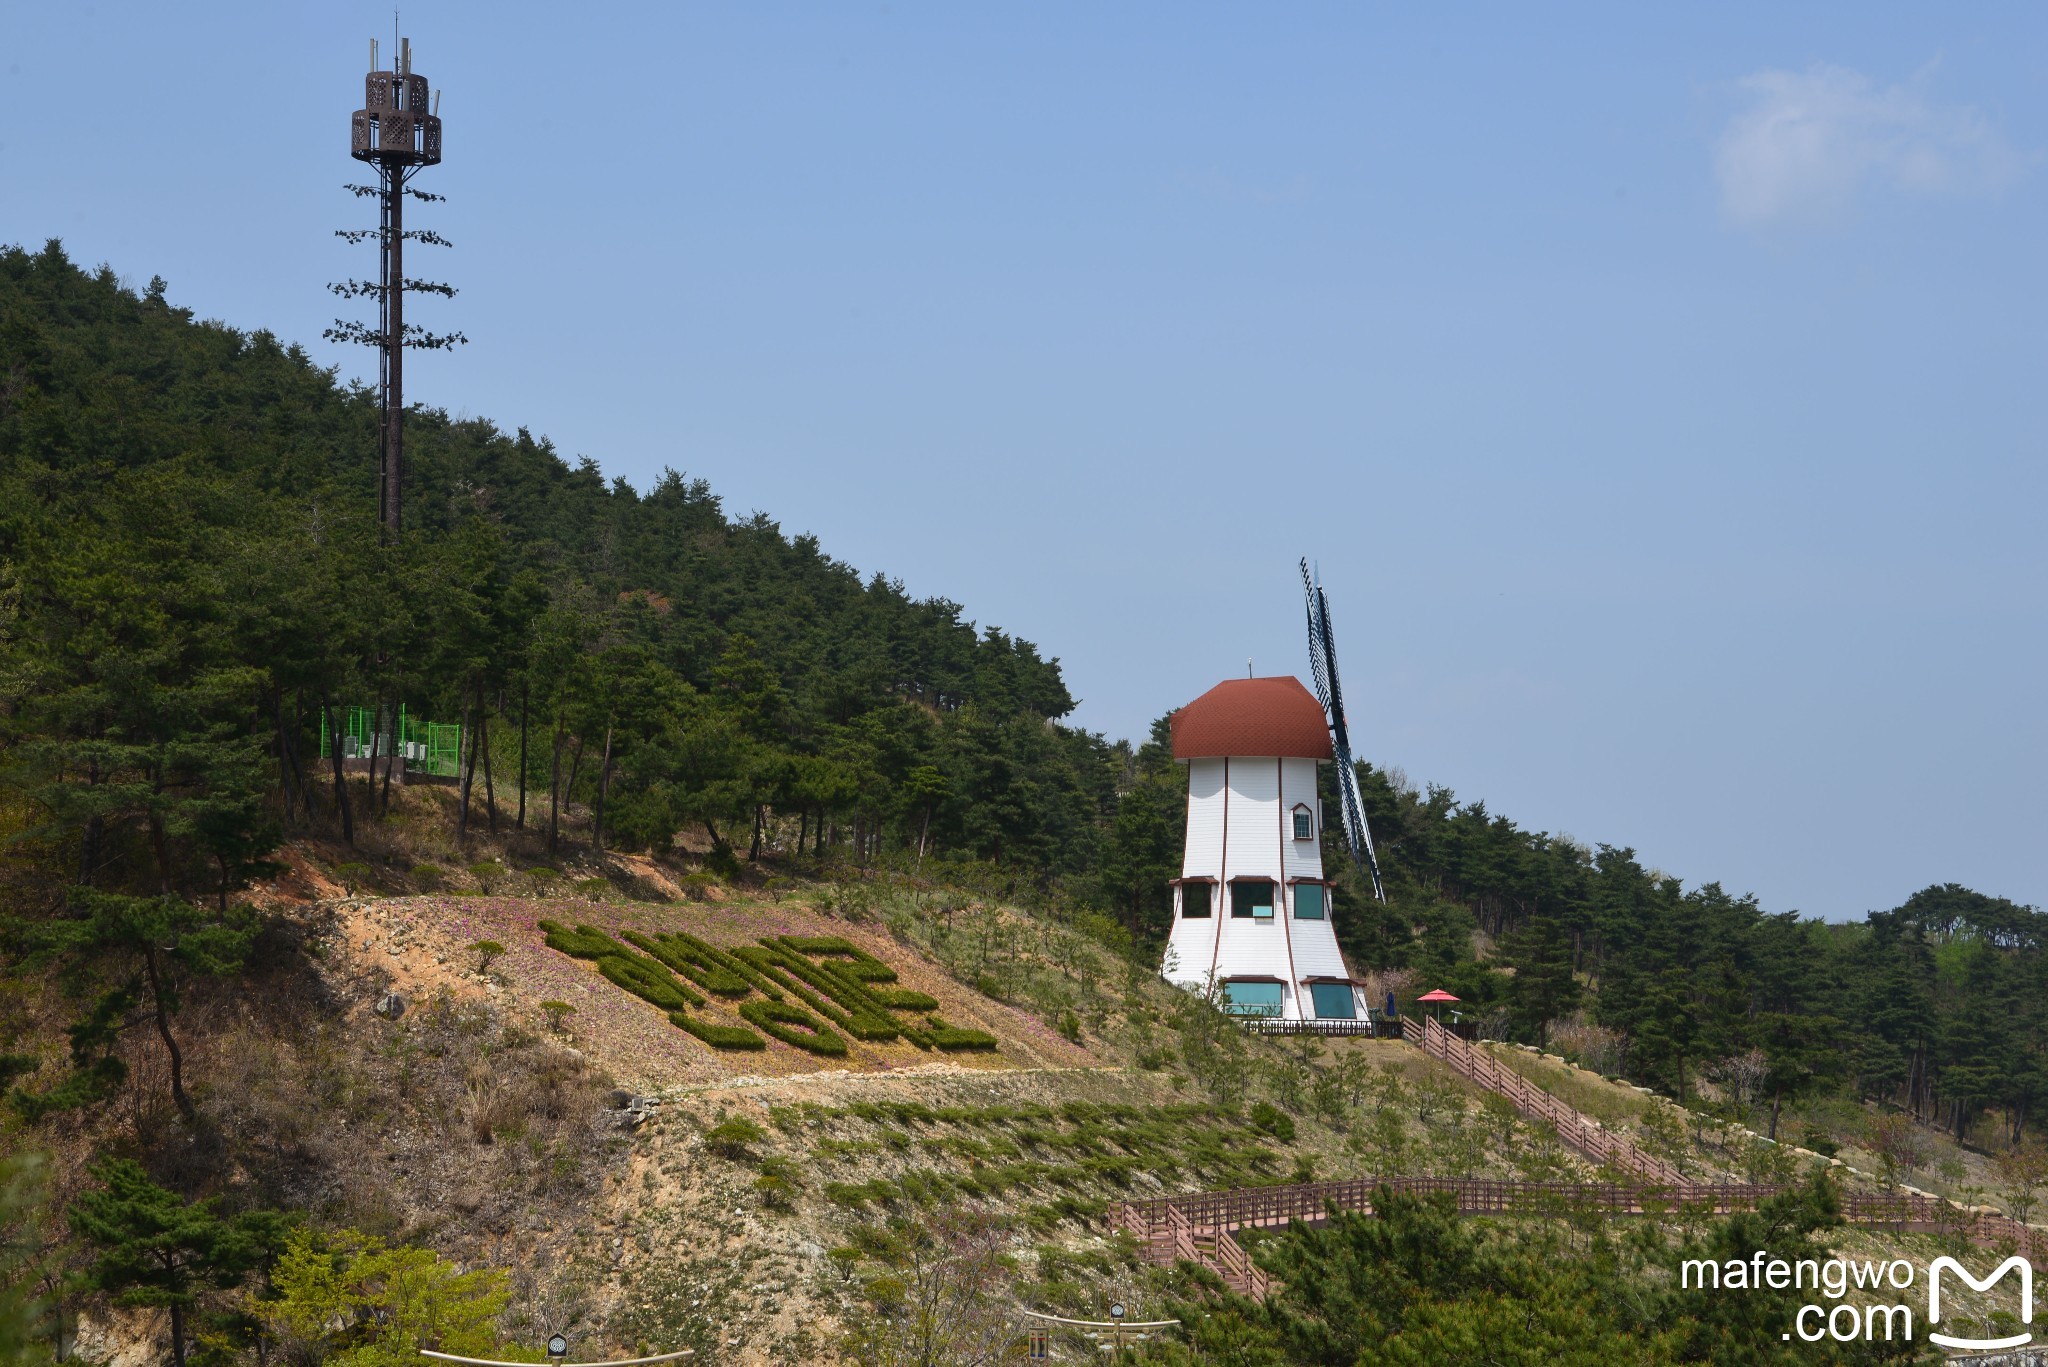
point(1577, 1130)
point(1174, 1227)
point(1214, 1216)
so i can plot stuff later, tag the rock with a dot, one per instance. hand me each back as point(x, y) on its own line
point(390, 1006)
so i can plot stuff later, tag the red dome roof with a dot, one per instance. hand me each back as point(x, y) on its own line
point(1253, 717)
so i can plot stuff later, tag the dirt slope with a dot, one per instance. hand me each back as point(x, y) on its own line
point(422, 944)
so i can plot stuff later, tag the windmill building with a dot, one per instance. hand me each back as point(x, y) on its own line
point(1251, 905)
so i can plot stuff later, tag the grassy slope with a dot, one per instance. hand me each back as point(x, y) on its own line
point(465, 1125)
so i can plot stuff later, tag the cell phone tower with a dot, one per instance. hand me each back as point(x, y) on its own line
point(398, 131)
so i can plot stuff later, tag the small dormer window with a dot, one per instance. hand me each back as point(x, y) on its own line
point(1304, 822)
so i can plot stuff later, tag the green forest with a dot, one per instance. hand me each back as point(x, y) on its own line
point(193, 589)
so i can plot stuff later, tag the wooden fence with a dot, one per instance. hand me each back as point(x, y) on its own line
point(1581, 1132)
point(1200, 1227)
point(1270, 1025)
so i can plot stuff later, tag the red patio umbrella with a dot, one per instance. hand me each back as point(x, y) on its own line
point(1435, 998)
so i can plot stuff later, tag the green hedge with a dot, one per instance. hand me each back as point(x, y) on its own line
point(718, 1036)
point(792, 971)
point(644, 977)
point(691, 958)
point(776, 1018)
point(950, 1037)
point(862, 1016)
point(836, 989)
point(865, 966)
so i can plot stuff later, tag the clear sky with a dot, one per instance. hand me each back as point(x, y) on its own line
point(1659, 389)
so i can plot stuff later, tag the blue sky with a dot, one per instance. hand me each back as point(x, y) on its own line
point(1658, 391)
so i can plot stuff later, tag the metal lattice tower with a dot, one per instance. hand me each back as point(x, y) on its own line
point(398, 131)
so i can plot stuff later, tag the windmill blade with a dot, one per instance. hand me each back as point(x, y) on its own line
point(1312, 591)
point(1322, 652)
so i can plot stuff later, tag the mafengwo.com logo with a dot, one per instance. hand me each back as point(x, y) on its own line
point(1871, 1318)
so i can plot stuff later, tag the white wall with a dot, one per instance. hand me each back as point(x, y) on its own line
point(1241, 825)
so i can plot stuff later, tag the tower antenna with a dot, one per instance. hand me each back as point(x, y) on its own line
point(396, 132)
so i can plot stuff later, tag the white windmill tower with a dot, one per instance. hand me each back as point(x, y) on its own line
point(1251, 909)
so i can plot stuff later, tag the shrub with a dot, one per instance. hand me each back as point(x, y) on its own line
point(485, 951)
point(1070, 1026)
point(779, 1182)
point(429, 877)
point(718, 1036)
point(734, 1137)
point(558, 1014)
point(1080, 1209)
point(1269, 1119)
point(487, 874)
point(722, 863)
point(352, 876)
point(593, 889)
point(954, 1039)
point(777, 1018)
point(542, 879)
point(855, 1195)
point(350, 1297)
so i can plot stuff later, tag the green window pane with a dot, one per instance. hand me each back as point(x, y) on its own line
point(1252, 999)
point(1194, 900)
point(1308, 901)
point(1333, 1001)
point(1304, 826)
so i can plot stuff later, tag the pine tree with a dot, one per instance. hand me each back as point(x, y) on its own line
point(156, 1249)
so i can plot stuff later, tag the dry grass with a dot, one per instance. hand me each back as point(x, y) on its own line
point(1612, 1104)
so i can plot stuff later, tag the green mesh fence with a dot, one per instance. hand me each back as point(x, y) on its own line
point(427, 747)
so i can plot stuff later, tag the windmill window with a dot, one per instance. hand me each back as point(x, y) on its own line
point(1252, 898)
point(1304, 823)
point(1308, 901)
point(1252, 999)
point(1333, 1001)
point(1194, 901)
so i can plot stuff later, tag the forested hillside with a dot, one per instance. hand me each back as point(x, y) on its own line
point(194, 573)
point(191, 579)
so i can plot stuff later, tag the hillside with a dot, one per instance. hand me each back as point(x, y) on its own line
point(751, 949)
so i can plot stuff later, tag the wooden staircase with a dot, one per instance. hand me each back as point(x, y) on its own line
point(1581, 1132)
